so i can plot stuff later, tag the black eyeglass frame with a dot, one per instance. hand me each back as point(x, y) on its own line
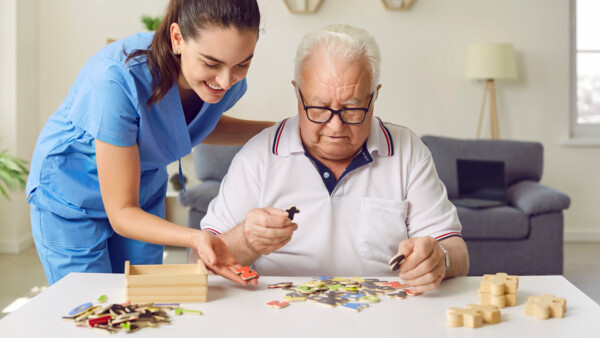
point(336, 111)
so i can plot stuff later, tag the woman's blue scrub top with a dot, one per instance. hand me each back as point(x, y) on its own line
point(108, 102)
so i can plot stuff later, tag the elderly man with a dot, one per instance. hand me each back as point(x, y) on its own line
point(366, 190)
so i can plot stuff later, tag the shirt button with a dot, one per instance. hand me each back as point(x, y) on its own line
point(326, 175)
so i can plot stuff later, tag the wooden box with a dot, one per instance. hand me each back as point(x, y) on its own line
point(181, 283)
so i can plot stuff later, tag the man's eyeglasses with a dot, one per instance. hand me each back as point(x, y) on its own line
point(324, 114)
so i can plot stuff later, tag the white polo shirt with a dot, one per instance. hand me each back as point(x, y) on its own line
point(351, 227)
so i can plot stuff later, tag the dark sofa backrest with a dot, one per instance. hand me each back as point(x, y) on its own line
point(212, 162)
point(522, 160)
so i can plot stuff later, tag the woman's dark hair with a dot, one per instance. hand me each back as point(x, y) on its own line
point(192, 16)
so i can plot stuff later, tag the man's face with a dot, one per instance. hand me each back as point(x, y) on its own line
point(334, 83)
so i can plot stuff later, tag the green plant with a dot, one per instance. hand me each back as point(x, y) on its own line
point(150, 22)
point(13, 173)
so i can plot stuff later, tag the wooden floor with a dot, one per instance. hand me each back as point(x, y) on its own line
point(22, 275)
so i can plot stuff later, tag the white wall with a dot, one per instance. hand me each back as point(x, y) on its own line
point(424, 55)
point(19, 109)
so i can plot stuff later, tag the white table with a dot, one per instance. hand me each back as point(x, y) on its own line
point(235, 311)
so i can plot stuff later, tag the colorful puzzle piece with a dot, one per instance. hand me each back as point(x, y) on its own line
point(546, 306)
point(246, 273)
point(277, 304)
point(356, 307)
point(396, 261)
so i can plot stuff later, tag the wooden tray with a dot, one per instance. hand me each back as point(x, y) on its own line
point(182, 283)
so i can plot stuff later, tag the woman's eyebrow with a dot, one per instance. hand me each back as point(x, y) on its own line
point(219, 61)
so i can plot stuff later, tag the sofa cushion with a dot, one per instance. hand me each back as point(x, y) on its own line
point(212, 162)
point(493, 223)
point(533, 198)
point(522, 160)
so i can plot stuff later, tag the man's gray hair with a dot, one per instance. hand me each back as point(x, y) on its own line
point(343, 41)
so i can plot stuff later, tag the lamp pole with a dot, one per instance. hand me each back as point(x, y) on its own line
point(489, 87)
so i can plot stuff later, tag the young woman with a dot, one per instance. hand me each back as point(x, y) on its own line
point(98, 176)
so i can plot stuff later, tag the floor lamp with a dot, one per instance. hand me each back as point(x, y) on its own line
point(491, 61)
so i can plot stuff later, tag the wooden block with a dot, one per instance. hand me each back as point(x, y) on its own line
point(491, 314)
point(546, 306)
point(166, 283)
point(499, 284)
point(486, 298)
point(457, 317)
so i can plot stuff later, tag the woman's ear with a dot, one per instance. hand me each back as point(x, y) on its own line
point(176, 38)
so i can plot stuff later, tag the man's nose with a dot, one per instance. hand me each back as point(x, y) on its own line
point(335, 122)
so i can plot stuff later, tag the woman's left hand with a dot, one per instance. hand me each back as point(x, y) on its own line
point(216, 256)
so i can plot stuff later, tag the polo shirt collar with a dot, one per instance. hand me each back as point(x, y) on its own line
point(287, 138)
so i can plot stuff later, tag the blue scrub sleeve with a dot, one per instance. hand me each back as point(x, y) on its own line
point(106, 104)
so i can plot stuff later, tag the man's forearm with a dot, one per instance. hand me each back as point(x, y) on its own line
point(238, 245)
point(459, 256)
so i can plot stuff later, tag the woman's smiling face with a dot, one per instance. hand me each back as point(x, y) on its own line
point(213, 62)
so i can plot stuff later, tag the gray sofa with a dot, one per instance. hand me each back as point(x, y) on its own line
point(524, 237)
point(210, 165)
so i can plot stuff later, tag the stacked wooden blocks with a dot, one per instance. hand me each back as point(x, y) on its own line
point(499, 289)
point(182, 283)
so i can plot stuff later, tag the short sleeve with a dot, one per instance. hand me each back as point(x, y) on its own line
point(105, 104)
point(430, 211)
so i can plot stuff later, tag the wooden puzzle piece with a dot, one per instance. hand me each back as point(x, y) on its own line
point(396, 261)
point(490, 313)
point(246, 273)
point(280, 285)
point(322, 278)
point(397, 295)
point(499, 284)
point(79, 310)
point(291, 211)
point(546, 306)
point(486, 298)
point(356, 307)
point(294, 297)
point(457, 317)
point(395, 285)
point(370, 299)
point(353, 295)
point(277, 304)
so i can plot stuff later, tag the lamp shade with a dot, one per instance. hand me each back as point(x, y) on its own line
point(491, 61)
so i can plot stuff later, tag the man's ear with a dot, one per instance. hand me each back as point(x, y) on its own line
point(294, 84)
point(377, 91)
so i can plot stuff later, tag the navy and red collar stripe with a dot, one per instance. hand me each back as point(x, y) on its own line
point(278, 136)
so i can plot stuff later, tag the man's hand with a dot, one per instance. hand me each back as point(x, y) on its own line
point(217, 257)
point(268, 229)
point(424, 267)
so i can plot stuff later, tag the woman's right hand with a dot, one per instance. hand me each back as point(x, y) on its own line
point(216, 256)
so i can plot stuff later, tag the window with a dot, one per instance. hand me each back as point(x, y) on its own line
point(585, 92)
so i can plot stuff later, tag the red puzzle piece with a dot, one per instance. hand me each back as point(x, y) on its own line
point(246, 273)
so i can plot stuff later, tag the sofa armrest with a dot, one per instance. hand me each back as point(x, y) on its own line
point(199, 195)
point(533, 198)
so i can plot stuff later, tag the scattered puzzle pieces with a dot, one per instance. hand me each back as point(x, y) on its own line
point(348, 293)
point(546, 306)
